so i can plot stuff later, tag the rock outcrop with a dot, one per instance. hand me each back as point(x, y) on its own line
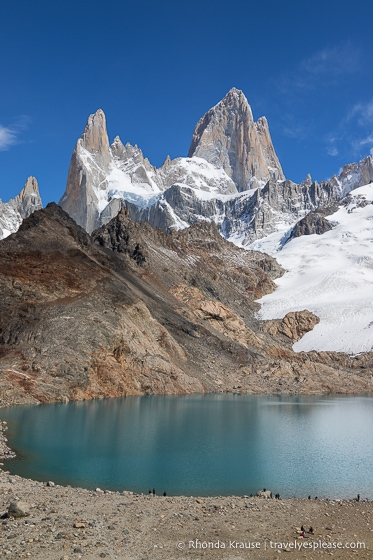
point(313, 223)
point(228, 137)
point(353, 175)
point(294, 325)
point(20, 207)
point(242, 218)
point(17, 510)
point(275, 205)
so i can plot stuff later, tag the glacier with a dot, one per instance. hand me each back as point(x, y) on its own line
point(330, 275)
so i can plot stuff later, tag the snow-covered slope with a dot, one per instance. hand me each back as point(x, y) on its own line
point(330, 275)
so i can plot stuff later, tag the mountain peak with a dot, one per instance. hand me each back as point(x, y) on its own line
point(228, 137)
point(20, 207)
point(236, 91)
point(28, 199)
point(235, 95)
point(94, 138)
point(31, 186)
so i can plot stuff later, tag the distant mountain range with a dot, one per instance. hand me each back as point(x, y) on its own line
point(231, 176)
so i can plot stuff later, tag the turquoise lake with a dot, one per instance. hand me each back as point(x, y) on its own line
point(200, 444)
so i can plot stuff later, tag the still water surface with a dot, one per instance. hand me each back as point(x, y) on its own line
point(200, 444)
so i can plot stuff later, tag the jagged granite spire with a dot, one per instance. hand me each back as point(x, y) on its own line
point(87, 176)
point(228, 137)
point(28, 200)
point(95, 138)
point(20, 207)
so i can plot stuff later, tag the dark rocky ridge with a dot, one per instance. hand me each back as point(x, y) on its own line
point(132, 310)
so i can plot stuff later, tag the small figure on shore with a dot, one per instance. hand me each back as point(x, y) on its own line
point(277, 496)
point(358, 498)
point(310, 530)
point(309, 497)
point(316, 498)
point(302, 529)
point(153, 491)
point(164, 494)
point(150, 491)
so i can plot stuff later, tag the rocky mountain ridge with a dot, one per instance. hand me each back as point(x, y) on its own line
point(20, 207)
point(231, 177)
point(103, 177)
point(133, 310)
point(229, 153)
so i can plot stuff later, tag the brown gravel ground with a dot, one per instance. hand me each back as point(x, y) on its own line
point(67, 523)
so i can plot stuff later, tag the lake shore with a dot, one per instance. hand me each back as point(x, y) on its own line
point(65, 523)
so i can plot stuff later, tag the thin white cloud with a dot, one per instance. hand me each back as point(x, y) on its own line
point(331, 140)
point(358, 127)
point(333, 62)
point(9, 135)
point(329, 66)
point(354, 134)
point(296, 131)
point(367, 140)
point(363, 112)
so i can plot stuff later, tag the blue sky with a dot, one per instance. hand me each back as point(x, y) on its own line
point(156, 68)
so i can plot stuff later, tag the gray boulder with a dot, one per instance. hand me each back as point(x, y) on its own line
point(267, 494)
point(18, 510)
